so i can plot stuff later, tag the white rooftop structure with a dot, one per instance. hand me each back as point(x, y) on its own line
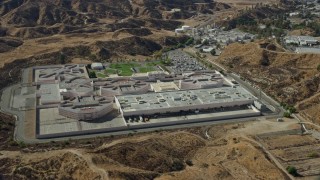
point(310, 50)
point(208, 49)
point(301, 40)
point(97, 66)
point(177, 101)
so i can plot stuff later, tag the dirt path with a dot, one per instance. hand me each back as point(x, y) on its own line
point(102, 172)
point(269, 154)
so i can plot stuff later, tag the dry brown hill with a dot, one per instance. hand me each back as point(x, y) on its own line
point(39, 18)
point(178, 154)
point(290, 78)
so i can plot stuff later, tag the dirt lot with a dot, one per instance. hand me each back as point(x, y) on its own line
point(293, 149)
point(226, 151)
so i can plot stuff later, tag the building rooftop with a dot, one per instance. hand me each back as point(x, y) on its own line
point(164, 86)
point(173, 99)
point(49, 93)
point(307, 50)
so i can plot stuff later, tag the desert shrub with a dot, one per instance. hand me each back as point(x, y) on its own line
point(292, 170)
point(189, 162)
point(177, 165)
point(92, 74)
point(287, 114)
point(313, 155)
point(204, 165)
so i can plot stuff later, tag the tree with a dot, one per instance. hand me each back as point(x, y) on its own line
point(83, 51)
point(158, 54)
point(92, 74)
point(180, 46)
point(287, 114)
point(177, 165)
point(93, 57)
point(318, 67)
point(62, 58)
point(189, 162)
point(292, 170)
point(213, 52)
point(291, 109)
point(189, 41)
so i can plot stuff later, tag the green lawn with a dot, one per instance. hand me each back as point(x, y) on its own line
point(100, 75)
point(153, 63)
point(124, 69)
point(146, 69)
point(111, 71)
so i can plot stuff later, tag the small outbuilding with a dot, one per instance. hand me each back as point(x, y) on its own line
point(97, 66)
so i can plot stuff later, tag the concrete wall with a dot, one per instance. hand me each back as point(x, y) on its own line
point(148, 125)
point(83, 115)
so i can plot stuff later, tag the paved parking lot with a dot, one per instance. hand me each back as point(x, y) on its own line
point(183, 62)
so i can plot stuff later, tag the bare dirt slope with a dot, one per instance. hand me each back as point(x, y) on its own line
point(290, 78)
point(179, 154)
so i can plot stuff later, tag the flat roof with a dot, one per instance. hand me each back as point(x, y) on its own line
point(49, 92)
point(308, 50)
point(164, 86)
point(183, 98)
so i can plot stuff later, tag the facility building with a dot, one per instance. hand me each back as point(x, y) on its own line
point(301, 40)
point(207, 49)
point(201, 81)
point(97, 66)
point(179, 101)
point(183, 29)
point(311, 50)
point(67, 102)
point(85, 108)
point(122, 86)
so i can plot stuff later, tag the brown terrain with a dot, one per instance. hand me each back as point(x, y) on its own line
point(248, 150)
point(38, 32)
point(30, 28)
point(290, 78)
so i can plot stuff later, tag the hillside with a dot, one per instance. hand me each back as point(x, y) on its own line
point(290, 78)
point(178, 154)
point(110, 29)
point(40, 18)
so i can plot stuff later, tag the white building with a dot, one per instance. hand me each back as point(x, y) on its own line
point(97, 66)
point(179, 30)
point(207, 49)
point(175, 10)
point(301, 40)
point(307, 40)
point(294, 14)
point(179, 101)
point(183, 29)
point(309, 50)
point(186, 28)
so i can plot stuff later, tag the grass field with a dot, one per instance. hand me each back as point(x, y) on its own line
point(125, 69)
point(146, 69)
point(111, 71)
point(100, 75)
